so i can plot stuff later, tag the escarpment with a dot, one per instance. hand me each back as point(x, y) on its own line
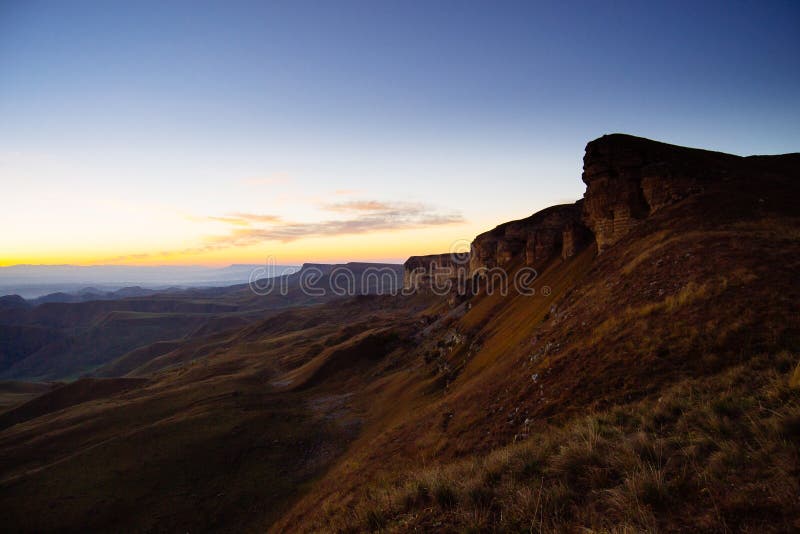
point(554, 231)
point(434, 270)
point(627, 180)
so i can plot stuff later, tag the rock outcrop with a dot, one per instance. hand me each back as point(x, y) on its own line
point(557, 231)
point(422, 273)
point(628, 178)
point(532, 240)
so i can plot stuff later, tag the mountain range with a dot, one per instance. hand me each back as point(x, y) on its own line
point(66, 283)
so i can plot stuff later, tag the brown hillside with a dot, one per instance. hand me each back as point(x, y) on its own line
point(697, 287)
point(60, 398)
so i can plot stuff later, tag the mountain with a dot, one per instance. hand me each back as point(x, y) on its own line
point(68, 283)
point(13, 302)
point(65, 340)
point(92, 293)
point(630, 362)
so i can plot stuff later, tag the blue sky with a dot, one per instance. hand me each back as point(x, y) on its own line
point(134, 131)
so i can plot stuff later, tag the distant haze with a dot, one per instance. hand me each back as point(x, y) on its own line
point(31, 281)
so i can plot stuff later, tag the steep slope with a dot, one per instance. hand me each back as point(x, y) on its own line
point(694, 296)
point(557, 230)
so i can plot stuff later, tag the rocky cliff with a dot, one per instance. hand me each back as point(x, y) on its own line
point(554, 231)
point(628, 178)
point(425, 272)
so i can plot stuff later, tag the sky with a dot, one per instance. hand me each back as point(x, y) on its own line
point(213, 133)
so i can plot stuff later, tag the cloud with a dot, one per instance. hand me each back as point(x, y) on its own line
point(258, 218)
point(245, 219)
point(366, 205)
point(364, 216)
point(359, 217)
point(236, 221)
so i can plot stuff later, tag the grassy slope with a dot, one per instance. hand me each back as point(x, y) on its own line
point(113, 336)
point(204, 446)
point(709, 454)
point(683, 338)
point(13, 393)
point(209, 444)
point(67, 340)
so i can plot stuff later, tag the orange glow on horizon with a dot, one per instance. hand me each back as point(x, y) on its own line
point(389, 246)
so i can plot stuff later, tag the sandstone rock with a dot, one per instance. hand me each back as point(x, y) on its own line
point(432, 272)
point(532, 241)
point(629, 178)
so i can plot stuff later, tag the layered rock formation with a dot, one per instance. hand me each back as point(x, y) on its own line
point(532, 240)
point(434, 270)
point(554, 232)
point(628, 178)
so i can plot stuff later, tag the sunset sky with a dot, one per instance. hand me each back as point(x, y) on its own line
point(226, 132)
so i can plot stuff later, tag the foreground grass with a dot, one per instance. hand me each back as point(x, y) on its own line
point(713, 454)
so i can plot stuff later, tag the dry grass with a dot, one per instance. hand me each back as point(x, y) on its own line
point(783, 228)
point(773, 228)
point(720, 453)
point(691, 294)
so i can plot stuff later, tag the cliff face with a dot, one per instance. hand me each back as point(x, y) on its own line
point(423, 272)
point(629, 178)
point(554, 231)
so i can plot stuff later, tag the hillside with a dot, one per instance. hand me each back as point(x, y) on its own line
point(640, 372)
point(65, 340)
point(653, 391)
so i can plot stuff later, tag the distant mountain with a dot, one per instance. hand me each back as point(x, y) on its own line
point(67, 335)
point(13, 302)
point(34, 281)
point(92, 293)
